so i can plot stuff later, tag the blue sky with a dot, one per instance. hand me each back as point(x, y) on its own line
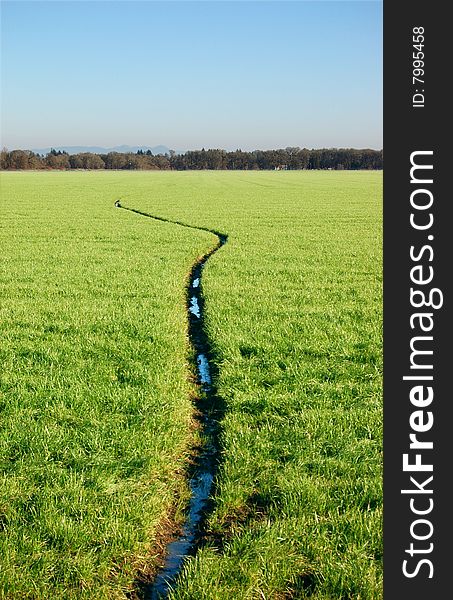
point(235, 74)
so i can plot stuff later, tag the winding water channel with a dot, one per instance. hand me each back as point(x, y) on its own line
point(211, 410)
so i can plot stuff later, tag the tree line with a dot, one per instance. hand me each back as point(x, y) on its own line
point(290, 158)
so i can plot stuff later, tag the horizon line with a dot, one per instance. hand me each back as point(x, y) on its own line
point(112, 149)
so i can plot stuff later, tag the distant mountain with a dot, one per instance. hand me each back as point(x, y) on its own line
point(99, 150)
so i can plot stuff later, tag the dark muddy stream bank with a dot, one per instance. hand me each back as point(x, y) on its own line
point(210, 411)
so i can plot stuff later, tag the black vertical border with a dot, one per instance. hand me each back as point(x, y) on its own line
point(408, 129)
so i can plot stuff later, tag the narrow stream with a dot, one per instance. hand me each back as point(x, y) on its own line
point(211, 410)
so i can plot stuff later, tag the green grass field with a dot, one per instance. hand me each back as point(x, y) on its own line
point(96, 387)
